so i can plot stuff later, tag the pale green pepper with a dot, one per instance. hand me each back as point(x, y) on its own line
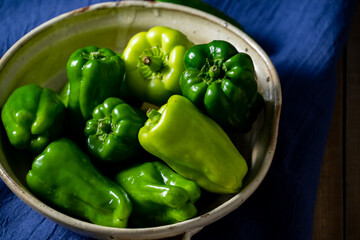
point(194, 146)
point(154, 63)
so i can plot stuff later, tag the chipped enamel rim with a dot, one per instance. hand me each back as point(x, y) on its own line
point(188, 227)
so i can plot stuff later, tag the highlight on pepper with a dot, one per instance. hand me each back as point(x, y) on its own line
point(100, 157)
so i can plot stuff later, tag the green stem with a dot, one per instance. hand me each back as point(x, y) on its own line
point(104, 126)
point(154, 63)
point(154, 116)
point(214, 71)
point(93, 55)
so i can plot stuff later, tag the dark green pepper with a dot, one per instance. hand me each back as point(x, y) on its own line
point(33, 116)
point(65, 177)
point(194, 146)
point(222, 81)
point(113, 130)
point(94, 75)
point(159, 195)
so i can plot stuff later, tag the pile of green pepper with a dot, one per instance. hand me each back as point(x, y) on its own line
point(164, 156)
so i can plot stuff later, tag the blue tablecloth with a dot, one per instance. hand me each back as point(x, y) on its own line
point(304, 40)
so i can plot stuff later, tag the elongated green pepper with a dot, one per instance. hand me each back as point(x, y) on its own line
point(112, 133)
point(65, 177)
point(94, 75)
point(222, 81)
point(194, 146)
point(160, 196)
point(33, 116)
point(154, 63)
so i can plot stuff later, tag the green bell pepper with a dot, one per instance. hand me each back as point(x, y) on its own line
point(159, 195)
point(113, 130)
point(94, 75)
point(65, 177)
point(154, 63)
point(33, 116)
point(194, 146)
point(222, 81)
point(124, 94)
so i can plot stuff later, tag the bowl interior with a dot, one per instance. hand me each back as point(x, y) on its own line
point(40, 57)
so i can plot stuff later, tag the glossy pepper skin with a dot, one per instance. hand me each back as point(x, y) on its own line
point(154, 63)
point(222, 81)
point(159, 195)
point(94, 75)
point(112, 133)
point(65, 177)
point(64, 94)
point(33, 116)
point(194, 146)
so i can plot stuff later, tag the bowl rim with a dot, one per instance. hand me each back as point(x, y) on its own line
point(195, 223)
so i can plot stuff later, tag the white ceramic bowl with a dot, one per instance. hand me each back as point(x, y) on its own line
point(41, 56)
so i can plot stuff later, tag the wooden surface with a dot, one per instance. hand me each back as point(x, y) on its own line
point(337, 211)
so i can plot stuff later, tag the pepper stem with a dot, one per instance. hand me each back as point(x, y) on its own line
point(154, 63)
point(153, 115)
point(104, 126)
point(214, 71)
point(92, 55)
point(95, 55)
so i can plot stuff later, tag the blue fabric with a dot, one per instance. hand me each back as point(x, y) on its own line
point(304, 39)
